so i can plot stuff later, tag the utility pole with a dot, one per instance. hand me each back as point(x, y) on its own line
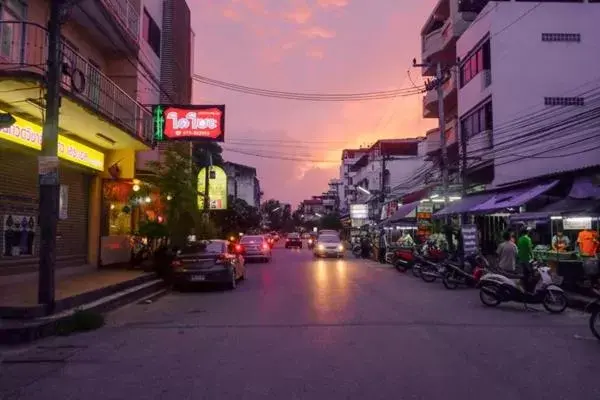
point(49, 185)
point(437, 84)
point(206, 186)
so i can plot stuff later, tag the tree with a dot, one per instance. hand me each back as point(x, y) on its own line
point(201, 150)
point(279, 215)
point(239, 217)
point(178, 189)
point(331, 221)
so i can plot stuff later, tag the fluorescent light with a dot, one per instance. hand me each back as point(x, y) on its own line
point(362, 189)
point(437, 200)
point(425, 201)
point(579, 219)
point(433, 196)
point(454, 198)
point(556, 217)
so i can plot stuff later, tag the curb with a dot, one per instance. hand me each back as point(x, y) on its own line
point(20, 332)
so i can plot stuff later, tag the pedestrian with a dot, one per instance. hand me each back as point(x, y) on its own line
point(525, 256)
point(507, 253)
point(382, 246)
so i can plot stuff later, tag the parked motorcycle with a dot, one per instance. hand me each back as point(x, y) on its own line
point(430, 262)
point(404, 258)
point(595, 316)
point(469, 273)
point(498, 288)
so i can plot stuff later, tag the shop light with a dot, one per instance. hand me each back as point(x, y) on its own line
point(362, 189)
point(433, 196)
point(112, 206)
point(579, 219)
point(406, 227)
point(556, 217)
point(454, 198)
point(147, 199)
point(169, 197)
point(136, 188)
point(423, 201)
point(436, 200)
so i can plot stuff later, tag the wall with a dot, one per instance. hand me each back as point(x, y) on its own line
point(401, 171)
point(524, 71)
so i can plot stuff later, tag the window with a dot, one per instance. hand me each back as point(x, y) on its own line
point(561, 37)
point(151, 32)
point(479, 120)
point(564, 101)
point(475, 63)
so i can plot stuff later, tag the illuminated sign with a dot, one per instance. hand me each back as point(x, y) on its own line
point(359, 211)
point(28, 134)
point(217, 188)
point(189, 122)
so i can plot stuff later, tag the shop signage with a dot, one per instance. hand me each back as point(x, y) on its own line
point(28, 134)
point(470, 238)
point(189, 122)
point(359, 211)
point(217, 188)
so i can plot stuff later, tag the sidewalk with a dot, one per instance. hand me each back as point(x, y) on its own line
point(21, 290)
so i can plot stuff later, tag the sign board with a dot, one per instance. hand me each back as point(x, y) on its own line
point(359, 211)
point(189, 122)
point(470, 238)
point(217, 188)
point(577, 224)
point(28, 134)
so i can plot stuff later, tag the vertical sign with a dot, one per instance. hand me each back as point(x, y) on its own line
point(63, 202)
point(217, 188)
point(470, 238)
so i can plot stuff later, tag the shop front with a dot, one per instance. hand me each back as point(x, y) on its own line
point(80, 168)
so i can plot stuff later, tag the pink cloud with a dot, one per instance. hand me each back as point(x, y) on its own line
point(332, 3)
point(299, 15)
point(316, 53)
point(232, 14)
point(317, 32)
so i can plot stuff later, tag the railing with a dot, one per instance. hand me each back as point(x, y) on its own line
point(24, 48)
point(126, 14)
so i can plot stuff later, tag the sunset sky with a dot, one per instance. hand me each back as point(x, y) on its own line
point(321, 46)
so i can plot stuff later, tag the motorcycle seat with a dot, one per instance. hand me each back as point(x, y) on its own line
point(509, 274)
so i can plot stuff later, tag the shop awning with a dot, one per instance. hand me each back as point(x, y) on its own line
point(404, 212)
point(567, 206)
point(585, 188)
point(514, 198)
point(463, 205)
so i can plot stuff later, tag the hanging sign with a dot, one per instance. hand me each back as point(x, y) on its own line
point(217, 188)
point(189, 122)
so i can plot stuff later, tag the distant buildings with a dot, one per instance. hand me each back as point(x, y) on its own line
point(243, 183)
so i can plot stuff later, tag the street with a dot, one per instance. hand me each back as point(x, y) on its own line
point(301, 328)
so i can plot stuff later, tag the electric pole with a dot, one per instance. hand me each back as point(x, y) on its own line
point(207, 184)
point(438, 85)
point(49, 185)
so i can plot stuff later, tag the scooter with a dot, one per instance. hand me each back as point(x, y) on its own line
point(496, 288)
point(594, 321)
point(311, 243)
point(430, 262)
point(404, 258)
point(469, 273)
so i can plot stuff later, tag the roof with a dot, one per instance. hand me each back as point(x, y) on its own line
point(240, 166)
point(313, 202)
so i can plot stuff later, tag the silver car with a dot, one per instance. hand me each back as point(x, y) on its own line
point(329, 246)
point(255, 247)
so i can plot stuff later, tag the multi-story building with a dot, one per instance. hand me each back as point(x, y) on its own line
point(101, 124)
point(526, 89)
point(387, 164)
point(446, 23)
point(313, 208)
point(242, 183)
point(347, 189)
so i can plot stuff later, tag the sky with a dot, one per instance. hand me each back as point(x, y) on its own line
point(316, 46)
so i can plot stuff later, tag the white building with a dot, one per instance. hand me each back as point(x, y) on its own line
point(527, 73)
point(242, 183)
point(347, 189)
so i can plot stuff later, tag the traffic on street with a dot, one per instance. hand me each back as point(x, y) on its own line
point(302, 327)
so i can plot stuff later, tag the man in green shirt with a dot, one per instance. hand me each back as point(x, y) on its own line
point(525, 256)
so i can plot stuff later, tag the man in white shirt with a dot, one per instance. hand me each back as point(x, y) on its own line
point(507, 253)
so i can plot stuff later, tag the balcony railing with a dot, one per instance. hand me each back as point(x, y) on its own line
point(126, 13)
point(24, 50)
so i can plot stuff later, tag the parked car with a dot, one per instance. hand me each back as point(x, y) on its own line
point(293, 240)
point(255, 247)
point(329, 246)
point(211, 261)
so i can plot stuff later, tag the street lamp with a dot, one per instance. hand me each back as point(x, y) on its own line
point(275, 209)
point(362, 189)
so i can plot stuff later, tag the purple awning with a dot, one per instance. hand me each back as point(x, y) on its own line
point(463, 205)
point(514, 198)
point(584, 188)
point(404, 212)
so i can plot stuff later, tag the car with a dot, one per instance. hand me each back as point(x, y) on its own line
point(329, 246)
point(293, 240)
point(329, 232)
point(209, 261)
point(255, 247)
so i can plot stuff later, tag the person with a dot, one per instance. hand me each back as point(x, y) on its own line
point(507, 253)
point(587, 240)
point(382, 247)
point(525, 256)
point(560, 242)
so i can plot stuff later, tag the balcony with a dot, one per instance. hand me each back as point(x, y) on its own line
point(433, 140)
point(113, 23)
point(91, 101)
point(430, 100)
point(479, 149)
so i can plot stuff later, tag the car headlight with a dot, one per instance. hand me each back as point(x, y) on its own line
point(340, 248)
point(321, 247)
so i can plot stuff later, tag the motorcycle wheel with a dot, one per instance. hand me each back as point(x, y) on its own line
point(488, 299)
point(400, 266)
point(595, 323)
point(555, 302)
point(449, 283)
point(416, 270)
point(428, 276)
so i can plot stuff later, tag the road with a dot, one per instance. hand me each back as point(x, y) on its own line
point(300, 328)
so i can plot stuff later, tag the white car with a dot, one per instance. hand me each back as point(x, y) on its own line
point(329, 246)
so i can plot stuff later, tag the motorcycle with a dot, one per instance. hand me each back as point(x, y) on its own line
point(496, 288)
point(468, 273)
point(311, 243)
point(595, 315)
point(430, 262)
point(403, 258)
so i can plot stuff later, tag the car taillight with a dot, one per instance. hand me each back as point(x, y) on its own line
point(238, 248)
point(176, 264)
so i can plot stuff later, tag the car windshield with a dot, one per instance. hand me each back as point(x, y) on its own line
point(203, 247)
point(329, 239)
point(251, 239)
point(294, 236)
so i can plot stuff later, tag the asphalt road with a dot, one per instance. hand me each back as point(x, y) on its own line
point(300, 328)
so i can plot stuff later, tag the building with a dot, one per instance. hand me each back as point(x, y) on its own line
point(313, 208)
point(347, 190)
point(242, 183)
point(387, 164)
point(101, 124)
point(528, 118)
point(446, 23)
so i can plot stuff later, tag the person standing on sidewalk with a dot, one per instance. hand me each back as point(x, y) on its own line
point(507, 253)
point(525, 256)
point(382, 246)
